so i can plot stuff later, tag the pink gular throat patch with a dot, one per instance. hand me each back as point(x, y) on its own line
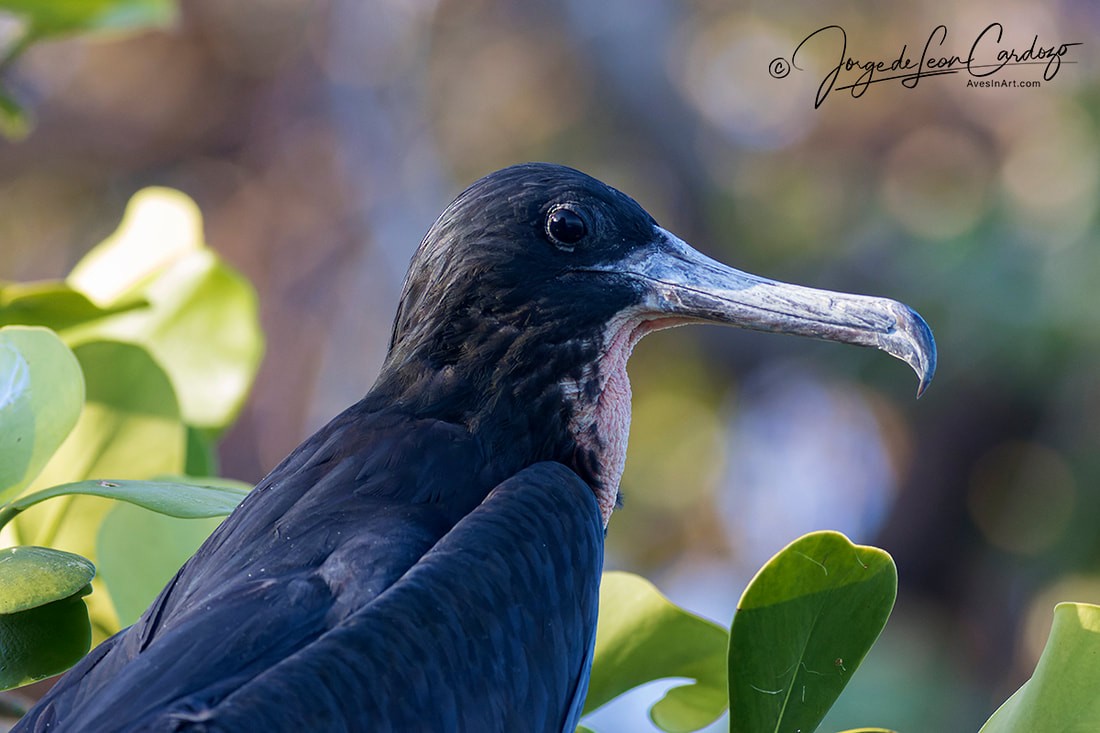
point(602, 426)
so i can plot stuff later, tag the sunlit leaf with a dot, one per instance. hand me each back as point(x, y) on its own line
point(803, 625)
point(41, 394)
point(140, 551)
point(50, 17)
point(43, 641)
point(130, 429)
point(160, 227)
point(202, 322)
point(188, 501)
point(643, 637)
point(44, 625)
point(35, 576)
point(54, 304)
point(1062, 693)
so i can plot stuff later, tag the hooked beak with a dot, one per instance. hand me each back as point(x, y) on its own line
point(682, 282)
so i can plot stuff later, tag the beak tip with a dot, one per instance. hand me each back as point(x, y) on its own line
point(922, 356)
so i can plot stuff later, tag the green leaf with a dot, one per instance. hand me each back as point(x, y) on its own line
point(130, 429)
point(34, 576)
point(43, 641)
point(643, 637)
point(44, 627)
point(54, 305)
point(41, 394)
point(202, 453)
point(139, 552)
point(202, 322)
point(803, 625)
point(1062, 693)
point(188, 501)
point(50, 17)
point(160, 227)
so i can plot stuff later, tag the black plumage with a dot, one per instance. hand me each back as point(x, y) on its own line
point(430, 559)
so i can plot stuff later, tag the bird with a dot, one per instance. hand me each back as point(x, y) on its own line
point(430, 559)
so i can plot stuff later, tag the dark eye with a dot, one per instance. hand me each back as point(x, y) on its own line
point(565, 227)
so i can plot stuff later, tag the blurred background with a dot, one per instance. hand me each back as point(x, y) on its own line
point(322, 137)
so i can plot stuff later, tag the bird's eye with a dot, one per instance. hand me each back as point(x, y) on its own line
point(565, 227)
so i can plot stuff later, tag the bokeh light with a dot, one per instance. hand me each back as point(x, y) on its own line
point(802, 455)
point(723, 71)
point(1022, 496)
point(937, 182)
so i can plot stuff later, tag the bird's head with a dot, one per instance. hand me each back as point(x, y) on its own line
point(529, 292)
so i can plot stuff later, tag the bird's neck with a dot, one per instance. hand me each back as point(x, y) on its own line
point(530, 396)
point(501, 383)
point(599, 403)
point(599, 409)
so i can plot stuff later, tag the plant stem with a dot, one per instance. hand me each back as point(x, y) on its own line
point(8, 513)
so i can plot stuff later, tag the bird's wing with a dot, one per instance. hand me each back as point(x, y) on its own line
point(491, 630)
point(310, 543)
point(194, 652)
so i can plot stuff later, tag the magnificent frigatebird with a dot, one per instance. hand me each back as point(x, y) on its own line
point(430, 559)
